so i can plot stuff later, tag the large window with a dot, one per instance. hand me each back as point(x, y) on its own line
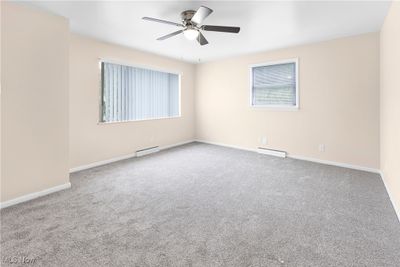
point(275, 84)
point(132, 93)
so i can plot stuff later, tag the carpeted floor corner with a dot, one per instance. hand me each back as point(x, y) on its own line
point(204, 205)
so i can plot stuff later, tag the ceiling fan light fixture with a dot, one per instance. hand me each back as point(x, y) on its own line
point(191, 34)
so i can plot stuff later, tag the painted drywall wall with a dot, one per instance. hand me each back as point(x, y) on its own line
point(389, 107)
point(1, 5)
point(339, 102)
point(34, 100)
point(92, 142)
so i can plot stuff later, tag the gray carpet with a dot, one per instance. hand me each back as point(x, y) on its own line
point(204, 205)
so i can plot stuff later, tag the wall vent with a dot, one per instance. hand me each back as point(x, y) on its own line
point(271, 152)
point(146, 151)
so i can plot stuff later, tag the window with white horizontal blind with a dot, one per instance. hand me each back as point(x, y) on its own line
point(132, 93)
point(275, 84)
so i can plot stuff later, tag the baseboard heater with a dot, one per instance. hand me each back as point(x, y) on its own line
point(146, 151)
point(271, 152)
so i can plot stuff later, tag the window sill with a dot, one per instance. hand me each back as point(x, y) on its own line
point(276, 108)
point(143, 120)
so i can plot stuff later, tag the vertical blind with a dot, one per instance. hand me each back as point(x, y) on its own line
point(274, 85)
point(131, 93)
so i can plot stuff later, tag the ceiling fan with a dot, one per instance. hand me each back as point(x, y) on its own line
point(192, 25)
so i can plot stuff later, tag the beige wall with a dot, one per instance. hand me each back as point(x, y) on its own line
point(1, 6)
point(91, 142)
point(339, 102)
point(390, 107)
point(34, 98)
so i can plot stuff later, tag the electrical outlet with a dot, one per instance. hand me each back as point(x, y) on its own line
point(264, 140)
point(321, 148)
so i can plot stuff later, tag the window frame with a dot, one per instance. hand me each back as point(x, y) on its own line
point(133, 65)
point(271, 63)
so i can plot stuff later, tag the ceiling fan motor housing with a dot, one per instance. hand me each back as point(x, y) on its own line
point(186, 16)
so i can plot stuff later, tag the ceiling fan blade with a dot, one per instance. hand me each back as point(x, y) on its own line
point(202, 13)
point(169, 35)
point(163, 21)
point(214, 28)
point(201, 39)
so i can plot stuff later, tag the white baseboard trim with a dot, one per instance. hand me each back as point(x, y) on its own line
point(396, 208)
point(177, 144)
point(34, 195)
point(115, 159)
point(100, 163)
point(327, 162)
point(334, 163)
point(226, 145)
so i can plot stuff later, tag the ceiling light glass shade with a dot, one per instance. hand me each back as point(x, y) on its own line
point(191, 34)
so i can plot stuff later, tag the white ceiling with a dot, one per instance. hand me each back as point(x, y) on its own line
point(264, 25)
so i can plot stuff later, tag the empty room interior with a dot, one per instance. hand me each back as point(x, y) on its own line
point(200, 133)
